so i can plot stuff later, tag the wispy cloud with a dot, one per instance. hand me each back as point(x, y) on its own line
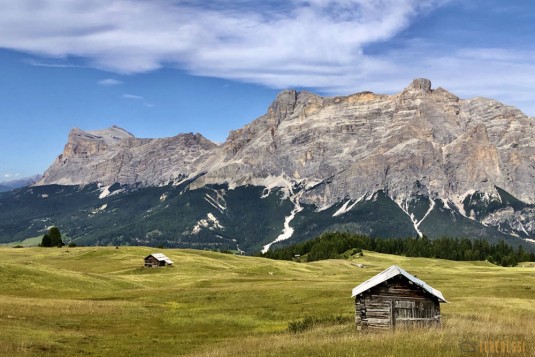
point(132, 96)
point(280, 43)
point(319, 44)
point(11, 175)
point(137, 98)
point(109, 82)
point(39, 63)
point(488, 72)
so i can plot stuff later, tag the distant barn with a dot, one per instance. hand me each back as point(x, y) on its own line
point(395, 298)
point(157, 260)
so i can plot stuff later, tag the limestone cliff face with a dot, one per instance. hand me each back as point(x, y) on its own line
point(114, 155)
point(419, 142)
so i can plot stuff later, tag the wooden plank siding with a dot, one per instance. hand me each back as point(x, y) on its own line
point(153, 262)
point(396, 303)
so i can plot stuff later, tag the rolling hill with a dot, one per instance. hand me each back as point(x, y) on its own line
point(101, 301)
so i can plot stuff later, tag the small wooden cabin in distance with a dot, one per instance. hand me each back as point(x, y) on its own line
point(156, 260)
point(395, 298)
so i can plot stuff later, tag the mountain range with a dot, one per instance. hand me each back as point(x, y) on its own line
point(18, 183)
point(422, 161)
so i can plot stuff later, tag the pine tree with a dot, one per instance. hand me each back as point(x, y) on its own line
point(52, 238)
point(46, 241)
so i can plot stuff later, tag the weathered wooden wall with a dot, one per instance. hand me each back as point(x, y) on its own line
point(396, 303)
point(151, 262)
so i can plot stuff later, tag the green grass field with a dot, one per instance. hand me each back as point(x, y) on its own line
point(28, 242)
point(100, 301)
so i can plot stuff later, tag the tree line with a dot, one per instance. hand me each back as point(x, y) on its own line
point(52, 238)
point(333, 245)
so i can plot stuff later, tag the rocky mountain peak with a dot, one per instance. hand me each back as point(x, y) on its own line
point(421, 84)
point(425, 151)
point(357, 143)
point(115, 155)
point(282, 106)
point(112, 133)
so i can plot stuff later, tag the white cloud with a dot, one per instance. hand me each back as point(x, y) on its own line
point(11, 175)
point(132, 96)
point(138, 98)
point(109, 82)
point(294, 43)
point(280, 45)
point(37, 63)
point(505, 75)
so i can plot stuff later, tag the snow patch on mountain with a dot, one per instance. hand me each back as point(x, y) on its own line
point(105, 192)
point(210, 222)
point(287, 231)
point(217, 200)
point(431, 206)
point(403, 203)
point(345, 208)
point(458, 202)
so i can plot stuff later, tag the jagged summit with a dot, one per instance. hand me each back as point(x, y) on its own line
point(82, 142)
point(114, 130)
point(421, 84)
point(366, 141)
point(361, 142)
point(114, 155)
point(421, 142)
point(114, 133)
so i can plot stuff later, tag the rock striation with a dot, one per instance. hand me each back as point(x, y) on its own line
point(421, 142)
point(115, 155)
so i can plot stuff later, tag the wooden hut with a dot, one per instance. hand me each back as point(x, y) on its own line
point(395, 298)
point(156, 260)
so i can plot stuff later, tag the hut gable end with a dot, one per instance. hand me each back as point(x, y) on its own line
point(399, 287)
point(157, 260)
point(388, 274)
point(394, 298)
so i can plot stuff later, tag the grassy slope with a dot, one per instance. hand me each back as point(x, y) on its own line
point(28, 242)
point(100, 301)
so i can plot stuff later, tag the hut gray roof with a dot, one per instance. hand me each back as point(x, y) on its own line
point(388, 274)
point(160, 257)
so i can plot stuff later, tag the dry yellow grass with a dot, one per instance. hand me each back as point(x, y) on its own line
point(100, 301)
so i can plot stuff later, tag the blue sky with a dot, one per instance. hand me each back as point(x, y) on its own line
point(158, 68)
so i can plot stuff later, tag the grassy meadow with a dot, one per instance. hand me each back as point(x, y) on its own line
point(28, 242)
point(100, 301)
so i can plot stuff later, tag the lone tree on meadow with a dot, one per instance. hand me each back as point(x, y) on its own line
point(52, 238)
